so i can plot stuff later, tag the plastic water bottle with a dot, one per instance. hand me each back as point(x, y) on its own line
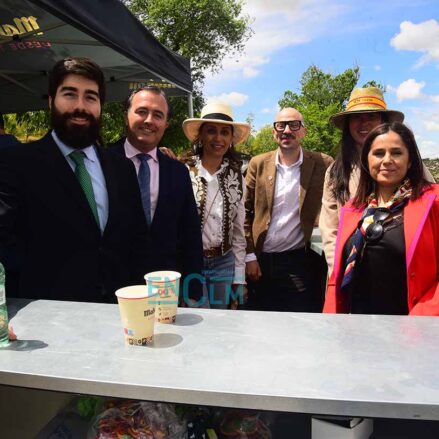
point(4, 338)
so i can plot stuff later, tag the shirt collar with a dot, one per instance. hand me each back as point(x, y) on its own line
point(296, 164)
point(131, 151)
point(66, 150)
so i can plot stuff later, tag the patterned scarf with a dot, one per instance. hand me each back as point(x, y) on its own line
point(397, 202)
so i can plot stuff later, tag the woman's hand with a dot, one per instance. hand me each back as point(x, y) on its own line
point(244, 294)
point(11, 334)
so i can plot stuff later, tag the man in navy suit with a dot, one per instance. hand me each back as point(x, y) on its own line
point(166, 191)
point(71, 209)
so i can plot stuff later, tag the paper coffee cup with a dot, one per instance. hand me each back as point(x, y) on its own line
point(165, 286)
point(137, 311)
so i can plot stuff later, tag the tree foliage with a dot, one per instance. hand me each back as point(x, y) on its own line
point(202, 30)
point(263, 141)
point(321, 95)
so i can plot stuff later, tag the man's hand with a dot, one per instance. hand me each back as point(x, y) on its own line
point(253, 270)
point(168, 152)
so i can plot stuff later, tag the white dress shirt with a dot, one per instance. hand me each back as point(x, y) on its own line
point(213, 215)
point(154, 168)
point(285, 231)
point(94, 168)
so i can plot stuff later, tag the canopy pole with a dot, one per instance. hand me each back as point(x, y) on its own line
point(190, 101)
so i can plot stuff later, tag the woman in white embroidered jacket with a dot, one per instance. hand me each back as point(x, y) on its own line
point(218, 185)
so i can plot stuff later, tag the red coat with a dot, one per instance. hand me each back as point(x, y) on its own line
point(421, 233)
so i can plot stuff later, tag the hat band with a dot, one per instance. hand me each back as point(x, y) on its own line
point(366, 100)
point(219, 116)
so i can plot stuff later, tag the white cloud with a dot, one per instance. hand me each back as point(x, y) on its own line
point(422, 37)
point(435, 99)
point(431, 125)
point(234, 98)
point(429, 149)
point(277, 24)
point(409, 89)
point(267, 110)
point(377, 68)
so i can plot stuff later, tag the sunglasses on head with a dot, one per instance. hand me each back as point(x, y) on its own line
point(375, 231)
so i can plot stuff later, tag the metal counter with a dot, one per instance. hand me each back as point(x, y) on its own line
point(312, 363)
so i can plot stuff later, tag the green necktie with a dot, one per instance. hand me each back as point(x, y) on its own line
point(85, 181)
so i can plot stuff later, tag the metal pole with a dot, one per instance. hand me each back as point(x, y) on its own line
point(190, 102)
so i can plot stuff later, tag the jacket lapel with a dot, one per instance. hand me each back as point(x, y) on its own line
point(415, 215)
point(270, 178)
point(349, 218)
point(305, 176)
point(112, 186)
point(163, 186)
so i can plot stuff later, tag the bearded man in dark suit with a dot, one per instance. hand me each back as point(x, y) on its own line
point(72, 210)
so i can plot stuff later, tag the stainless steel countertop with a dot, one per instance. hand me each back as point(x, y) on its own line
point(379, 366)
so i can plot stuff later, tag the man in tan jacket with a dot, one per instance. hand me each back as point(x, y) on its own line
point(283, 200)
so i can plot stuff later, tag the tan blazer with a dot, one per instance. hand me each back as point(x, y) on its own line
point(261, 182)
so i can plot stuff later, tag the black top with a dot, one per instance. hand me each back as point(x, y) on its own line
point(380, 284)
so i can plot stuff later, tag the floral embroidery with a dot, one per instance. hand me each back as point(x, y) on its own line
point(230, 185)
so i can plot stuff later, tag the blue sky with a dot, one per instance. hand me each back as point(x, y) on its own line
point(395, 42)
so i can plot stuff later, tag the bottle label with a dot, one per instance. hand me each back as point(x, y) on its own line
point(2, 295)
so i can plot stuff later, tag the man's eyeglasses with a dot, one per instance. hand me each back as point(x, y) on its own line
point(375, 231)
point(294, 125)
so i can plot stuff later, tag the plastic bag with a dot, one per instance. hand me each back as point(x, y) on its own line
point(137, 419)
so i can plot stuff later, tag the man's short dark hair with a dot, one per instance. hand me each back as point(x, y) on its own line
point(76, 66)
point(152, 89)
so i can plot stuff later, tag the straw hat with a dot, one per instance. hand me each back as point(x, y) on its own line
point(217, 113)
point(366, 100)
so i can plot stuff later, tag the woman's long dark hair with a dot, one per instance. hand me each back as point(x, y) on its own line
point(348, 156)
point(415, 173)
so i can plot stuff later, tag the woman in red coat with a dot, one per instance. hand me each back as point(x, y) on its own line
point(387, 250)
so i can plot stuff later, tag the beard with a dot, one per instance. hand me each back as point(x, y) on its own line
point(75, 136)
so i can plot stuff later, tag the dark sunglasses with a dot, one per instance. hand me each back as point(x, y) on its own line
point(375, 231)
point(294, 125)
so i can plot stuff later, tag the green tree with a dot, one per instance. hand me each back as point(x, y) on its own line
point(321, 95)
point(264, 141)
point(202, 30)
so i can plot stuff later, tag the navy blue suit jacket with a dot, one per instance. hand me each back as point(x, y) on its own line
point(62, 253)
point(175, 233)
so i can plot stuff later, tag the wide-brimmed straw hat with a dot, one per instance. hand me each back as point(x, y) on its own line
point(216, 112)
point(366, 100)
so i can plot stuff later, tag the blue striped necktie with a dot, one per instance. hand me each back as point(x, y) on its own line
point(144, 178)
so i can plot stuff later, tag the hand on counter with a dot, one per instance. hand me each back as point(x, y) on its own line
point(11, 333)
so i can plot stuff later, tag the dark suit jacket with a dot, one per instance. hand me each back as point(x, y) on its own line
point(175, 233)
point(261, 182)
point(63, 254)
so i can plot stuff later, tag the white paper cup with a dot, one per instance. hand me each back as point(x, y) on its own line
point(137, 311)
point(165, 285)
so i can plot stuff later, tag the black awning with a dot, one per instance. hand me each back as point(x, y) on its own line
point(34, 34)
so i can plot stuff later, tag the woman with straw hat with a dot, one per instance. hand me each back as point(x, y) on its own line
point(218, 186)
point(365, 110)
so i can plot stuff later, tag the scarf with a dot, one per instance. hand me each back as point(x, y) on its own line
point(397, 202)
